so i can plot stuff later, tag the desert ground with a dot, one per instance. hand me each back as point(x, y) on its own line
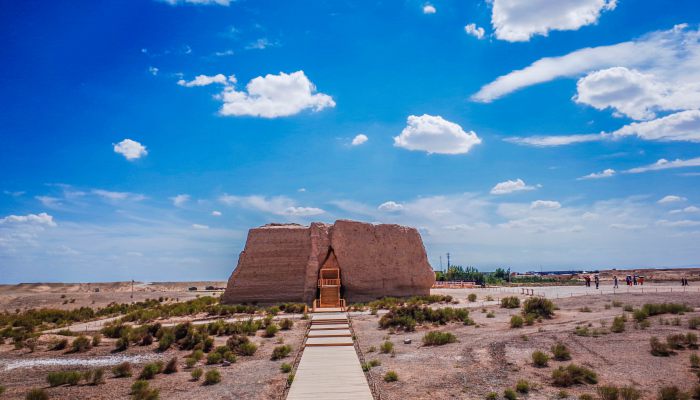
point(488, 356)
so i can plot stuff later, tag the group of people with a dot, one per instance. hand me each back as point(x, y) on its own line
point(596, 279)
point(630, 280)
point(684, 281)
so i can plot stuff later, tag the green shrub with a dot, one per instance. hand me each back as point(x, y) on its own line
point(171, 366)
point(629, 393)
point(658, 348)
point(436, 338)
point(140, 390)
point(693, 322)
point(640, 315)
point(665, 308)
point(96, 339)
point(676, 341)
point(58, 378)
point(271, 330)
point(573, 374)
point(150, 370)
point(471, 297)
point(510, 302)
point(391, 376)
point(490, 314)
point(539, 359)
point(196, 374)
point(166, 340)
point(290, 379)
point(212, 377)
point(671, 393)
point(190, 362)
point(522, 386)
point(509, 394)
point(98, 377)
point(122, 370)
point(618, 324)
point(386, 347)
point(280, 352)
point(214, 358)
point(516, 321)
point(561, 352)
point(37, 394)
point(530, 319)
point(628, 308)
point(492, 396)
point(408, 316)
point(286, 324)
point(121, 344)
point(81, 344)
point(286, 368)
point(375, 363)
point(59, 344)
point(691, 340)
point(247, 349)
point(538, 306)
point(608, 393)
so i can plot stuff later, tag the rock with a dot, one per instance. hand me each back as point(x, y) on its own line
point(281, 263)
point(407, 341)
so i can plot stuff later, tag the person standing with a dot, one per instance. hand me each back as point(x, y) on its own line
point(597, 281)
point(615, 281)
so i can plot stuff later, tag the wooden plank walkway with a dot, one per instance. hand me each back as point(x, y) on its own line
point(329, 368)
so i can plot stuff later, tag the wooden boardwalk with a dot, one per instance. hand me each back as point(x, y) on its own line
point(329, 368)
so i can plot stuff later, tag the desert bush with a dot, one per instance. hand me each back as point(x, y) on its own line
point(196, 374)
point(561, 352)
point(212, 377)
point(584, 396)
point(516, 321)
point(171, 366)
point(539, 359)
point(691, 340)
point(693, 322)
point(659, 348)
point(608, 393)
point(286, 324)
point(490, 314)
point(98, 377)
point(530, 319)
point(510, 302)
point(374, 363)
point(665, 308)
point(538, 306)
point(386, 347)
point(166, 340)
point(280, 352)
point(573, 374)
point(81, 344)
point(96, 339)
point(640, 315)
point(629, 393)
point(408, 316)
point(214, 358)
point(391, 376)
point(676, 341)
point(618, 325)
point(628, 308)
point(122, 370)
point(286, 368)
point(616, 303)
point(121, 344)
point(671, 393)
point(37, 394)
point(150, 370)
point(140, 390)
point(60, 344)
point(271, 330)
point(471, 297)
point(116, 330)
point(522, 386)
point(492, 396)
point(436, 338)
point(509, 394)
point(585, 309)
point(58, 378)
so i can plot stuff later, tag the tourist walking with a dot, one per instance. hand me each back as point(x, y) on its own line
point(634, 279)
point(597, 281)
point(615, 281)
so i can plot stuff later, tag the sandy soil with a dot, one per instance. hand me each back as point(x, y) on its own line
point(255, 377)
point(492, 356)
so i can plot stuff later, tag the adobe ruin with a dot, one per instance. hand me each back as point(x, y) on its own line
point(283, 263)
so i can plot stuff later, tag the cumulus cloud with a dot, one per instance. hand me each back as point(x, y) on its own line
point(36, 219)
point(433, 134)
point(519, 20)
point(681, 126)
point(663, 164)
point(671, 57)
point(278, 205)
point(180, 199)
point(510, 186)
point(359, 139)
point(198, 2)
point(390, 206)
point(599, 175)
point(153, 70)
point(205, 80)
point(130, 149)
point(429, 9)
point(117, 196)
point(545, 205)
point(689, 209)
point(671, 199)
point(473, 30)
point(274, 96)
point(216, 213)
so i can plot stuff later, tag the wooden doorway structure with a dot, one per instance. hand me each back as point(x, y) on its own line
point(329, 285)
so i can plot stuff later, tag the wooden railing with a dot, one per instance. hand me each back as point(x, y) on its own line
point(317, 304)
point(328, 282)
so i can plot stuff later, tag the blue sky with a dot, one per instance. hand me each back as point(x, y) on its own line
point(143, 139)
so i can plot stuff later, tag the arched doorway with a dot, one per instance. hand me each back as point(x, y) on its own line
point(329, 284)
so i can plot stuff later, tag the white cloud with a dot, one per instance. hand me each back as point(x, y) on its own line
point(429, 9)
point(37, 219)
point(216, 213)
point(359, 139)
point(224, 53)
point(130, 149)
point(49, 201)
point(198, 2)
point(476, 31)
point(261, 44)
point(153, 70)
point(117, 196)
point(274, 96)
point(663, 164)
point(301, 190)
point(390, 206)
point(205, 80)
point(689, 209)
point(434, 134)
point(519, 20)
point(628, 227)
point(671, 199)
point(14, 193)
point(685, 223)
point(671, 57)
point(199, 226)
point(681, 126)
point(599, 175)
point(510, 186)
point(560, 140)
point(180, 199)
point(278, 205)
point(545, 205)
